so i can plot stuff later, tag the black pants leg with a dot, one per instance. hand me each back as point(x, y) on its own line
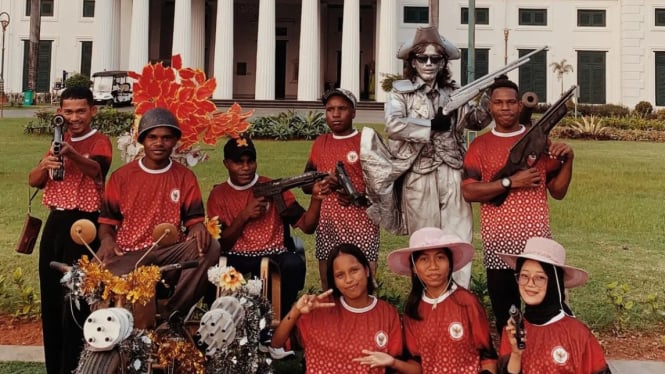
point(61, 321)
point(503, 293)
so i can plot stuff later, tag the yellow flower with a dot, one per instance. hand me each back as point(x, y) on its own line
point(232, 280)
point(212, 224)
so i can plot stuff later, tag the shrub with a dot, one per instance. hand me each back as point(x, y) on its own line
point(660, 114)
point(590, 127)
point(643, 109)
point(289, 125)
point(109, 121)
point(387, 81)
point(78, 80)
point(112, 122)
point(603, 110)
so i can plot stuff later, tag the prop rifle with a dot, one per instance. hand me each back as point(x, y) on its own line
point(526, 152)
point(343, 179)
point(273, 189)
point(58, 123)
point(473, 89)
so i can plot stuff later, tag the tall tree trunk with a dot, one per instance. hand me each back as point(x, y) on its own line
point(33, 54)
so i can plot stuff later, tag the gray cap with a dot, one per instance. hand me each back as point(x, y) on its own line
point(158, 117)
point(340, 92)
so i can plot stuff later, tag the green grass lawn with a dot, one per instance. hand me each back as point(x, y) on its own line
point(612, 222)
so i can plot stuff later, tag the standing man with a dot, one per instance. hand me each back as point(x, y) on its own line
point(524, 214)
point(342, 220)
point(415, 182)
point(153, 190)
point(86, 158)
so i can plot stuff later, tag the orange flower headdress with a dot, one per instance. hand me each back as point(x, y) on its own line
point(186, 93)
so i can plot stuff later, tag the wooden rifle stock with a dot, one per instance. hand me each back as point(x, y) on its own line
point(526, 152)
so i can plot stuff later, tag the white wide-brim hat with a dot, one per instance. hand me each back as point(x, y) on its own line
point(428, 34)
point(550, 252)
point(399, 260)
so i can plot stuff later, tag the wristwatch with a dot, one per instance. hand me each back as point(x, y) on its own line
point(506, 183)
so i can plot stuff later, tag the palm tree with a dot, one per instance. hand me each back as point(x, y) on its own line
point(33, 53)
point(561, 68)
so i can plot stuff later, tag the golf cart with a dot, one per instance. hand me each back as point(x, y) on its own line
point(113, 88)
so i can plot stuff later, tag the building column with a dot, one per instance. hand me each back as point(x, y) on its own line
point(386, 60)
point(138, 41)
point(223, 70)
point(198, 34)
point(182, 31)
point(351, 47)
point(102, 47)
point(265, 52)
point(309, 63)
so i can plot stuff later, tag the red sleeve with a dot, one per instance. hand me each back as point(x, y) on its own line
point(472, 171)
point(481, 331)
point(192, 208)
point(395, 342)
point(504, 346)
point(593, 358)
point(110, 212)
point(410, 337)
point(101, 151)
point(212, 205)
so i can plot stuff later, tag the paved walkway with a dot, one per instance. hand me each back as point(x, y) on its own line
point(36, 354)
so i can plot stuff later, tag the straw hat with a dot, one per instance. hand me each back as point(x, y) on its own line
point(399, 261)
point(428, 34)
point(550, 252)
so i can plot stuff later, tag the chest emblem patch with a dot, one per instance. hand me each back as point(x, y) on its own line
point(381, 339)
point(175, 195)
point(352, 157)
point(456, 330)
point(560, 355)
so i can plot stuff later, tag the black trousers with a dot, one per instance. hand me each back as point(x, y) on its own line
point(292, 269)
point(61, 321)
point(503, 291)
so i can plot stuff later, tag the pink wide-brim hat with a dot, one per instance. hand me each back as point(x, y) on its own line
point(550, 252)
point(428, 34)
point(399, 260)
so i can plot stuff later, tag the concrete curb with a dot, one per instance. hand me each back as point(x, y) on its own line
point(35, 353)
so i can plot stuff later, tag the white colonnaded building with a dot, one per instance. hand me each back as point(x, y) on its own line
point(295, 49)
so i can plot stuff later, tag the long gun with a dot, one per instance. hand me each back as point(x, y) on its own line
point(58, 122)
point(526, 152)
point(473, 89)
point(343, 179)
point(273, 189)
point(529, 103)
point(518, 321)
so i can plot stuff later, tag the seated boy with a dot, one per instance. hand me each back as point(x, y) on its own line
point(251, 226)
point(153, 190)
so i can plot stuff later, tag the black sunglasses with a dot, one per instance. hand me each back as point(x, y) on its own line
point(434, 59)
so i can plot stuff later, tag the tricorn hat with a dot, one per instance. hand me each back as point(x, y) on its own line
point(428, 34)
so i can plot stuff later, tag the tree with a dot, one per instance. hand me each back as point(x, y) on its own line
point(33, 53)
point(561, 68)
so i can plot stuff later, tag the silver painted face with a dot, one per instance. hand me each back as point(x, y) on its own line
point(428, 64)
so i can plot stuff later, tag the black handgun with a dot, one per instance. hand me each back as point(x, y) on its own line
point(518, 321)
point(58, 123)
point(273, 189)
point(343, 179)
